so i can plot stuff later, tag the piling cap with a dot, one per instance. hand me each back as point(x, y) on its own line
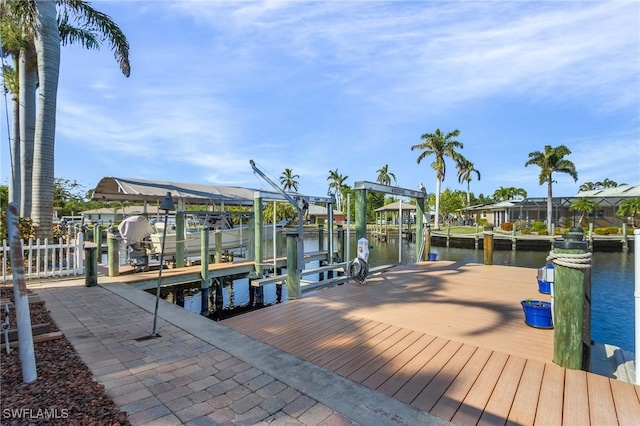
point(572, 240)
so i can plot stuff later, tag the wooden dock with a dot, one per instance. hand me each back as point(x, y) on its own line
point(449, 339)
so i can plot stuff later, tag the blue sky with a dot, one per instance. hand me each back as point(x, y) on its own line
point(352, 85)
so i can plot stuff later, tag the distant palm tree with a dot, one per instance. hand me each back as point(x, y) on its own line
point(509, 193)
point(288, 180)
point(337, 184)
point(384, 176)
point(629, 207)
point(550, 161)
point(588, 186)
point(584, 206)
point(465, 172)
point(607, 183)
point(440, 146)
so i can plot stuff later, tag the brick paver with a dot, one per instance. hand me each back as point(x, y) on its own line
point(176, 378)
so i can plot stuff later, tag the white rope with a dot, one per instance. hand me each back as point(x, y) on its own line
point(574, 261)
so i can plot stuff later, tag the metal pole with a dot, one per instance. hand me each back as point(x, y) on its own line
point(164, 237)
point(636, 250)
point(400, 235)
point(167, 204)
point(348, 228)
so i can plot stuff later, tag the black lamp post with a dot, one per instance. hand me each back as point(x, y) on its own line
point(167, 204)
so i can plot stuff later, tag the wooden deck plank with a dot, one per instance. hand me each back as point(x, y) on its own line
point(395, 364)
point(448, 404)
point(356, 338)
point(576, 403)
point(523, 409)
point(336, 342)
point(501, 400)
point(407, 334)
point(443, 379)
point(626, 402)
point(550, 403)
point(476, 399)
point(376, 362)
point(405, 373)
point(428, 371)
point(601, 406)
point(373, 349)
point(307, 330)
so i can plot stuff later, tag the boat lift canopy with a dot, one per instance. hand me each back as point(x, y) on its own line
point(154, 191)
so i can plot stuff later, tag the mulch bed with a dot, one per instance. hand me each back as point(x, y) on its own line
point(64, 392)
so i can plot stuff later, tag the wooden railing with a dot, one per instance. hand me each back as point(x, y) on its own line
point(45, 260)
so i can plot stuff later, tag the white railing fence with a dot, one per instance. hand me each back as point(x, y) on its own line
point(44, 260)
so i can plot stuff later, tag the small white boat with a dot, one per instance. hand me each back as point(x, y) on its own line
point(233, 237)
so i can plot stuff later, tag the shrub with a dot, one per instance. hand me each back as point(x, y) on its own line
point(538, 227)
point(525, 231)
point(607, 230)
point(507, 226)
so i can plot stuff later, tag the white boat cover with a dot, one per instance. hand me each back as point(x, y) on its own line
point(135, 229)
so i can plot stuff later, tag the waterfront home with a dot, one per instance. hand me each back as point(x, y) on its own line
point(534, 209)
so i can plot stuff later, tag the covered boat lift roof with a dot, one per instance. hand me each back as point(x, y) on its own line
point(154, 191)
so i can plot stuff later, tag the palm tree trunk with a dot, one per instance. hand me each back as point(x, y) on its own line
point(14, 188)
point(27, 116)
point(436, 224)
point(549, 205)
point(47, 43)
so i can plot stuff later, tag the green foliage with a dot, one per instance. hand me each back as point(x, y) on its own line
point(539, 226)
point(606, 230)
point(452, 201)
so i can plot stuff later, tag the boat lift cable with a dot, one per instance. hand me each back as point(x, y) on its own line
point(359, 270)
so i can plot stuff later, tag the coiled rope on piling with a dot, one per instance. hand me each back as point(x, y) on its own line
point(571, 260)
point(358, 270)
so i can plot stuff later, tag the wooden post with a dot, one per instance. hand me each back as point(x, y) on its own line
point(97, 238)
point(571, 306)
point(625, 237)
point(257, 226)
point(427, 245)
point(180, 237)
point(513, 237)
point(420, 231)
point(21, 298)
point(321, 248)
point(361, 213)
point(113, 254)
point(293, 275)
point(204, 272)
point(488, 248)
point(218, 239)
point(340, 244)
point(90, 266)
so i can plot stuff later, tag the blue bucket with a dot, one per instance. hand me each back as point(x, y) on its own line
point(433, 256)
point(544, 287)
point(537, 313)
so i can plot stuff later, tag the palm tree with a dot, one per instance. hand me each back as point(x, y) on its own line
point(588, 186)
point(47, 44)
point(31, 17)
point(550, 161)
point(288, 180)
point(629, 207)
point(509, 193)
point(440, 146)
point(584, 206)
point(384, 177)
point(465, 172)
point(337, 183)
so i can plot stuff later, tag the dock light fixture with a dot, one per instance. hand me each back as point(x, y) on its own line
point(167, 204)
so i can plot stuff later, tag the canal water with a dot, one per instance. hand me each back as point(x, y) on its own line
point(612, 281)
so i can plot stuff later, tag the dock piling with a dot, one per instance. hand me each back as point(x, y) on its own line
point(572, 301)
point(488, 248)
